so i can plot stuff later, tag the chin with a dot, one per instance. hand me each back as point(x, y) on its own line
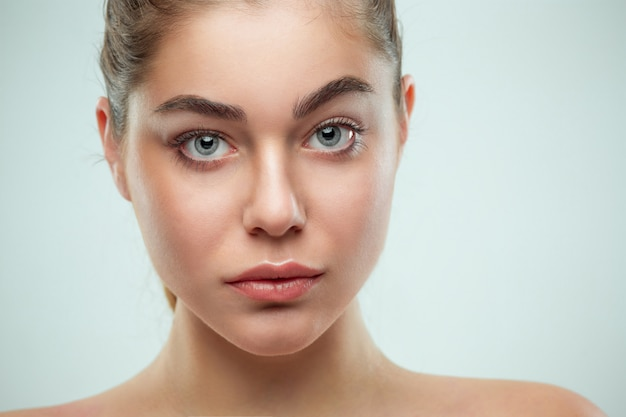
point(273, 347)
point(277, 337)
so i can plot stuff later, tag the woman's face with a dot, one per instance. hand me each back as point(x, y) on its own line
point(260, 158)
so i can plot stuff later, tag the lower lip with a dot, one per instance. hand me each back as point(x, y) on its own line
point(275, 290)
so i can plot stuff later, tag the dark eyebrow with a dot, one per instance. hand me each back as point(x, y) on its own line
point(302, 108)
point(328, 92)
point(204, 107)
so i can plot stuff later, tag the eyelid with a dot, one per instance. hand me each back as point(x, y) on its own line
point(343, 121)
point(186, 136)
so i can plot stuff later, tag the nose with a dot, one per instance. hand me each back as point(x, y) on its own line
point(273, 208)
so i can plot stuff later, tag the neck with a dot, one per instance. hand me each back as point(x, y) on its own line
point(208, 375)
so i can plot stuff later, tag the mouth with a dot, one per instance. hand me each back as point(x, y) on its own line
point(276, 282)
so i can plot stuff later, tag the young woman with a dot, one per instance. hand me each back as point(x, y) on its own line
point(258, 142)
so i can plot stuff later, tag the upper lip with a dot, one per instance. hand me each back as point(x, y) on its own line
point(284, 270)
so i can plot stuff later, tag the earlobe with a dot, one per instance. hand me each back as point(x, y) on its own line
point(111, 146)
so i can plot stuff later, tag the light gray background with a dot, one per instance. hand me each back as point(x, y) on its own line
point(506, 255)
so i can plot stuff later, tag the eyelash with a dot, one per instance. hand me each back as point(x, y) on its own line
point(349, 152)
point(198, 165)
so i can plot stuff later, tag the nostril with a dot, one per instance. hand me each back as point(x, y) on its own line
point(274, 219)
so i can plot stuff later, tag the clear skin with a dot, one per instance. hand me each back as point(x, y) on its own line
point(275, 195)
point(272, 193)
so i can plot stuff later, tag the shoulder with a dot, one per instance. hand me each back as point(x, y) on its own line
point(515, 398)
point(471, 397)
point(128, 399)
point(521, 398)
point(75, 409)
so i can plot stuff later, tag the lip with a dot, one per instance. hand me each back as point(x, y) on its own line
point(271, 282)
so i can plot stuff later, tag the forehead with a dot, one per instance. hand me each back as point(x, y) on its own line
point(286, 48)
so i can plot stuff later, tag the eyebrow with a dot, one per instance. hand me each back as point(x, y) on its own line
point(328, 92)
point(203, 106)
point(301, 109)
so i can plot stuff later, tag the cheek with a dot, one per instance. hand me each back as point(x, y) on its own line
point(354, 208)
point(192, 223)
point(184, 219)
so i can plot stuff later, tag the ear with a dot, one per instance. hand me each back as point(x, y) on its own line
point(408, 100)
point(111, 146)
point(406, 109)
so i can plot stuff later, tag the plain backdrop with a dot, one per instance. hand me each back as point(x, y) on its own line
point(506, 255)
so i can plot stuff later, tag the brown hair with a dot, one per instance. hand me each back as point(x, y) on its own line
point(134, 29)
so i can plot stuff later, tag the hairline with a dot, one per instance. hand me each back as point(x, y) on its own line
point(349, 24)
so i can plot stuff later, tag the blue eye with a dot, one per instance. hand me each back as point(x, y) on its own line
point(331, 138)
point(206, 146)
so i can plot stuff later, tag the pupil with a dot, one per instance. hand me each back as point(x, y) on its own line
point(206, 145)
point(328, 133)
point(329, 136)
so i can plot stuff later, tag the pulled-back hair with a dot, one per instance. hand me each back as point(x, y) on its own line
point(134, 30)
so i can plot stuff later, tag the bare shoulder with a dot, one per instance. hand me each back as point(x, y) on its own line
point(132, 398)
point(520, 398)
point(445, 396)
point(481, 397)
point(76, 409)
